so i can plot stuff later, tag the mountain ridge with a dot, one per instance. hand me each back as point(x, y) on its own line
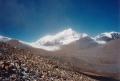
point(54, 42)
point(64, 37)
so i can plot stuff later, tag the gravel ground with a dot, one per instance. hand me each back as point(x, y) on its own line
point(18, 65)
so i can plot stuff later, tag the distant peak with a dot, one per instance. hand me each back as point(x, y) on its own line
point(84, 35)
point(110, 32)
point(68, 30)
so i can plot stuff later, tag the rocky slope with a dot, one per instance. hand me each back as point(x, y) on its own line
point(18, 65)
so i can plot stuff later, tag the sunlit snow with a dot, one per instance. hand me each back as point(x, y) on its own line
point(53, 42)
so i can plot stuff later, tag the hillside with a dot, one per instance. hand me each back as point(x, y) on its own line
point(102, 60)
point(18, 65)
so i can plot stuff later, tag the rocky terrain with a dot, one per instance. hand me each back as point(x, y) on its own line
point(18, 65)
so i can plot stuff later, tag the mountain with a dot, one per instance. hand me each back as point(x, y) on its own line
point(83, 43)
point(4, 39)
point(64, 39)
point(107, 36)
point(85, 54)
point(14, 42)
point(104, 58)
point(54, 42)
point(19, 65)
point(69, 38)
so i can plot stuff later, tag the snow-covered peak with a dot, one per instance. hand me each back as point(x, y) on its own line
point(84, 35)
point(107, 36)
point(53, 42)
point(64, 37)
point(68, 31)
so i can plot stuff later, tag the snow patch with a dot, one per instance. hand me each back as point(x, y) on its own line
point(101, 42)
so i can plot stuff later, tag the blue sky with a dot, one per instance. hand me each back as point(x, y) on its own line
point(29, 20)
